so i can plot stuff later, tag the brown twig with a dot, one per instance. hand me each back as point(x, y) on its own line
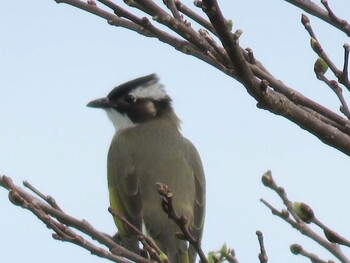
point(296, 221)
point(170, 4)
point(63, 223)
point(193, 15)
point(262, 255)
point(186, 32)
point(180, 221)
point(149, 245)
point(344, 77)
point(231, 59)
point(338, 91)
point(313, 9)
point(316, 46)
point(340, 23)
point(230, 42)
point(331, 235)
point(49, 199)
point(324, 58)
point(296, 249)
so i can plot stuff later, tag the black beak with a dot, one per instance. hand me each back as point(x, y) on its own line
point(102, 103)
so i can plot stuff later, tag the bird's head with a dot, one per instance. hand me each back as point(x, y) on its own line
point(137, 101)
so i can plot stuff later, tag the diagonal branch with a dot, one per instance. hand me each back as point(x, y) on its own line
point(315, 10)
point(229, 57)
point(181, 221)
point(63, 223)
point(148, 243)
point(300, 218)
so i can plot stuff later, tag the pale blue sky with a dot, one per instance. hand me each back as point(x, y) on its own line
point(55, 58)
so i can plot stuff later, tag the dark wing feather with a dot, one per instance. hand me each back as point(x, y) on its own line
point(123, 186)
point(197, 224)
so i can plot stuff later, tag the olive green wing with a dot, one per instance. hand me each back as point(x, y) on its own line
point(197, 225)
point(123, 186)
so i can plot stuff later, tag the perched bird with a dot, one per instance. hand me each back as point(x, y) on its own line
point(148, 148)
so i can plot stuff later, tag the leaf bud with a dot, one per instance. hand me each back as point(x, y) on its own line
point(304, 212)
point(296, 249)
point(320, 66)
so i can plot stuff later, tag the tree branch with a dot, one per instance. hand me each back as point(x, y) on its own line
point(62, 224)
point(296, 249)
point(326, 15)
point(262, 255)
point(301, 215)
point(240, 64)
point(148, 243)
point(181, 221)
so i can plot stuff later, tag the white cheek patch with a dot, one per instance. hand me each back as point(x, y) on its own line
point(119, 121)
point(154, 91)
point(150, 108)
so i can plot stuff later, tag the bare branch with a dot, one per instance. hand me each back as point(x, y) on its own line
point(49, 199)
point(173, 8)
point(229, 41)
point(193, 15)
point(344, 77)
point(316, 46)
point(313, 9)
point(262, 255)
point(148, 243)
point(300, 217)
point(63, 223)
point(231, 59)
point(181, 221)
point(338, 91)
point(296, 249)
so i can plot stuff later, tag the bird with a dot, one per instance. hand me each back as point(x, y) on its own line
point(149, 148)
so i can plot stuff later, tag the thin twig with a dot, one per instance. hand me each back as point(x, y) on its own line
point(295, 221)
point(340, 23)
point(297, 249)
point(338, 91)
point(193, 15)
point(328, 126)
point(181, 221)
point(230, 42)
point(64, 224)
point(344, 77)
point(149, 244)
point(331, 235)
point(315, 10)
point(262, 255)
point(316, 46)
point(170, 4)
point(49, 199)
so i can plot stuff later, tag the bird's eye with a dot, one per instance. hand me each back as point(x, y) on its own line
point(130, 98)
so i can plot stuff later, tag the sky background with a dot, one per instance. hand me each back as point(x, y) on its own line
point(55, 58)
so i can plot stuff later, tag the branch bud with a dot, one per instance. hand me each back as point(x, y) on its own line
point(304, 212)
point(229, 24)
point(296, 249)
point(332, 236)
point(267, 178)
point(320, 66)
point(285, 213)
point(15, 198)
point(305, 20)
point(315, 45)
point(223, 250)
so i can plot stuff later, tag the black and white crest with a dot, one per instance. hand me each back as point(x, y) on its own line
point(135, 102)
point(143, 87)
